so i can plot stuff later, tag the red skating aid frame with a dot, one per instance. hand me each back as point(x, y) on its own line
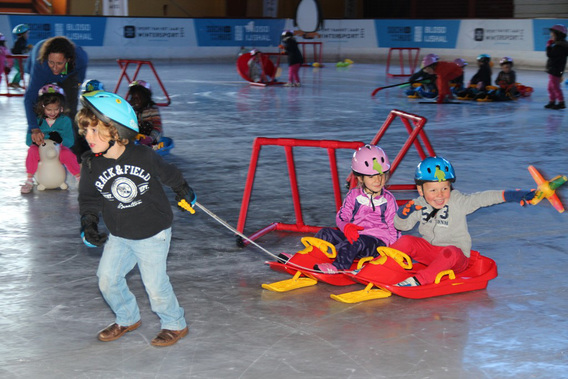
point(20, 61)
point(124, 63)
point(414, 125)
point(289, 144)
point(413, 54)
point(317, 50)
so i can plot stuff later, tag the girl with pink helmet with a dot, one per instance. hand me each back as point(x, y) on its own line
point(365, 221)
point(557, 53)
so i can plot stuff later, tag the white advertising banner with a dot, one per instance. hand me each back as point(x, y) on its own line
point(503, 35)
point(115, 7)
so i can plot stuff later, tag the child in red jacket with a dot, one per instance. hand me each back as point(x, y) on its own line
point(445, 72)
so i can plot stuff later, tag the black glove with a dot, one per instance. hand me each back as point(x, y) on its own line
point(90, 231)
point(146, 127)
point(55, 137)
point(185, 192)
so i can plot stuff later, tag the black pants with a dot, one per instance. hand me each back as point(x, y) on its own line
point(365, 246)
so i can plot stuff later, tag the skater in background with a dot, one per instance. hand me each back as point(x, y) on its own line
point(147, 112)
point(556, 52)
point(295, 59)
point(506, 81)
point(5, 62)
point(256, 69)
point(123, 181)
point(365, 220)
point(423, 85)
point(441, 214)
point(20, 47)
point(457, 84)
point(481, 79)
point(53, 125)
point(444, 71)
point(56, 60)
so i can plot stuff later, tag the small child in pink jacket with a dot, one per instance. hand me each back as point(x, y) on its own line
point(365, 221)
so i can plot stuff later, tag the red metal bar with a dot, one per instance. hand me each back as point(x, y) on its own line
point(294, 185)
point(317, 51)
point(20, 62)
point(289, 144)
point(124, 63)
point(412, 60)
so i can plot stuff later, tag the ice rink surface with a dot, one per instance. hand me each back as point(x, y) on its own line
point(51, 308)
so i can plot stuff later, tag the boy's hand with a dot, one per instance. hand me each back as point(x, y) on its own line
point(185, 192)
point(410, 207)
point(90, 232)
point(351, 231)
point(518, 196)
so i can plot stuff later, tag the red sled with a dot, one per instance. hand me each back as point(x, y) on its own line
point(268, 67)
point(301, 264)
point(381, 274)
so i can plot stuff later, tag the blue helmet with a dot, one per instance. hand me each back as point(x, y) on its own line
point(91, 85)
point(20, 29)
point(484, 58)
point(434, 169)
point(111, 108)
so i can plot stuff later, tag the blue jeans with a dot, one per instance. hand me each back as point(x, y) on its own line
point(119, 257)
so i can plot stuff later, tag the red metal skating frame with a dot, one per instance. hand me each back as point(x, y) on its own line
point(289, 144)
point(413, 54)
point(414, 125)
point(318, 52)
point(124, 63)
point(20, 61)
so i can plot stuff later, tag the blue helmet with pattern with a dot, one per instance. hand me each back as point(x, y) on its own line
point(20, 29)
point(434, 169)
point(91, 85)
point(112, 109)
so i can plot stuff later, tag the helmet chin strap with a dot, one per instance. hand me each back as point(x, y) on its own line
point(110, 145)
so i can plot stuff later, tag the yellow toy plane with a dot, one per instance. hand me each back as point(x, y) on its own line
point(547, 189)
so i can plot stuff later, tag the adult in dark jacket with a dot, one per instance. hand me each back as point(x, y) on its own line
point(557, 52)
point(56, 60)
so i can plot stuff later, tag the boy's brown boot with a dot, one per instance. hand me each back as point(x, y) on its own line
point(115, 331)
point(169, 337)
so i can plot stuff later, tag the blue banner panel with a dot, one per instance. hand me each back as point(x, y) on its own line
point(84, 31)
point(417, 33)
point(541, 30)
point(211, 32)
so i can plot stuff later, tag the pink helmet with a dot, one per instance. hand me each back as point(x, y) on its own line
point(51, 89)
point(460, 62)
point(2, 37)
point(142, 83)
point(370, 160)
point(430, 59)
point(559, 28)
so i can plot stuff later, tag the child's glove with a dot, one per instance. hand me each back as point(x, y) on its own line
point(185, 192)
point(518, 196)
point(55, 137)
point(90, 232)
point(410, 207)
point(351, 231)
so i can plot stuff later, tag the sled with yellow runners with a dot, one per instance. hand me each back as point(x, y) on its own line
point(379, 274)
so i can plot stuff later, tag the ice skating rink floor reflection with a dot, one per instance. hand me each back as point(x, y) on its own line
point(51, 308)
